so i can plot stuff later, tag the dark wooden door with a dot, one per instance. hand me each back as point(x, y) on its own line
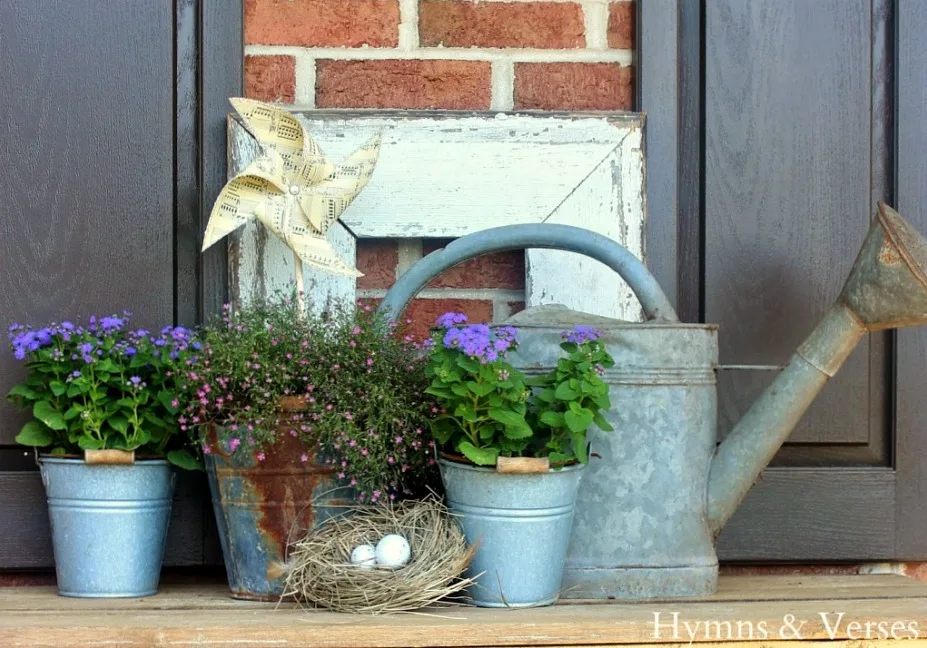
point(104, 163)
point(788, 121)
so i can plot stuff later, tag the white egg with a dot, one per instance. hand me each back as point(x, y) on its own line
point(393, 551)
point(364, 555)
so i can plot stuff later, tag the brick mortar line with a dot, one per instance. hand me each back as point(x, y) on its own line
point(502, 85)
point(623, 57)
point(408, 24)
point(305, 82)
point(595, 21)
point(473, 294)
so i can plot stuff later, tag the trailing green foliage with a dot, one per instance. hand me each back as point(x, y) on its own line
point(362, 381)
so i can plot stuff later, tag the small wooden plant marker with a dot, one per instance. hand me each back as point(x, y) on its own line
point(111, 457)
point(522, 465)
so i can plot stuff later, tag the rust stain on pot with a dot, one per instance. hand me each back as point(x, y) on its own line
point(287, 489)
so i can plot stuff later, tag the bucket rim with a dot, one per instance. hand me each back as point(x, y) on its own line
point(491, 469)
point(78, 460)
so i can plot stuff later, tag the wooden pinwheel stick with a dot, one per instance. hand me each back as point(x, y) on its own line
point(300, 283)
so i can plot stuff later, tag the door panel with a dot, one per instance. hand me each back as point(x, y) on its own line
point(787, 196)
point(112, 144)
point(86, 223)
point(794, 118)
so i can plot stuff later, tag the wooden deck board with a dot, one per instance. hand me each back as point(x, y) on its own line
point(753, 609)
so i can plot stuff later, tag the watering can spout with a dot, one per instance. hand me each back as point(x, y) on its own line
point(887, 288)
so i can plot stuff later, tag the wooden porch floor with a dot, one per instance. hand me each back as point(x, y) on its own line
point(768, 611)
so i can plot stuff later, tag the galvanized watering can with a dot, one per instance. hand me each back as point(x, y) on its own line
point(651, 507)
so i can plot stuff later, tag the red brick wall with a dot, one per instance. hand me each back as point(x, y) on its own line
point(446, 55)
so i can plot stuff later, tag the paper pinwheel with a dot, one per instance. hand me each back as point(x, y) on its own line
point(292, 188)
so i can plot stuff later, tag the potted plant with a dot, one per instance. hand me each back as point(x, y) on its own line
point(512, 451)
point(299, 415)
point(104, 425)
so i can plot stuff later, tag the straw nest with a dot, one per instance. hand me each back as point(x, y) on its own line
point(320, 573)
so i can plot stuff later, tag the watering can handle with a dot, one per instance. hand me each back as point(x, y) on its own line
point(526, 236)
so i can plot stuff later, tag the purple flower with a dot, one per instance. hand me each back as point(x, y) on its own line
point(451, 319)
point(135, 380)
point(111, 323)
point(581, 334)
point(129, 351)
point(85, 348)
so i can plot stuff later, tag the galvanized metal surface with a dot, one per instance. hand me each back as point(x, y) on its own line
point(522, 523)
point(262, 506)
point(109, 525)
point(660, 490)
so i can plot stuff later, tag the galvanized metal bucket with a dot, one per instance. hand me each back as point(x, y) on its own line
point(263, 506)
point(522, 524)
point(109, 525)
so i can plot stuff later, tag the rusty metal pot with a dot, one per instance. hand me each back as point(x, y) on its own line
point(262, 506)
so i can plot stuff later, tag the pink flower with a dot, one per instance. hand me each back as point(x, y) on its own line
point(390, 460)
point(364, 452)
point(369, 361)
point(349, 416)
point(234, 443)
point(352, 443)
point(304, 458)
point(175, 403)
point(261, 456)
point(356, 330)
point(353, 482)
point(341, 475)
point(206, 449)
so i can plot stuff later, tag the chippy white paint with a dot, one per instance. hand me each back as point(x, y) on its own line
point(443, 175)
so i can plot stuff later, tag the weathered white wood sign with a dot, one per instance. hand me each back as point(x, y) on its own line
point(443, 175)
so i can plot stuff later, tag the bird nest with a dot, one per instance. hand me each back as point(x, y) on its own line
point(320, 573)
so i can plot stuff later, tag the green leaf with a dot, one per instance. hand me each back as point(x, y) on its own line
point(479, 456)
point(602, 401)
point(459, 389)
point(58, 387)
point(34, 434)
point(579, 445)
point(51, 417)
point(184, 459)
point(601, 423)
point(74, 390)
point(480, 389)
point(578, 421)
point(22, 391)
point(119, 423)
point(438, 391)
point(468, 364)
point(546, 395)
point(565, 392)
point(553, 419)
point(72, 413)
point(166, 398)
point(559, 457)
point(90, 443)
point(515, 425)
point(157, 422)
